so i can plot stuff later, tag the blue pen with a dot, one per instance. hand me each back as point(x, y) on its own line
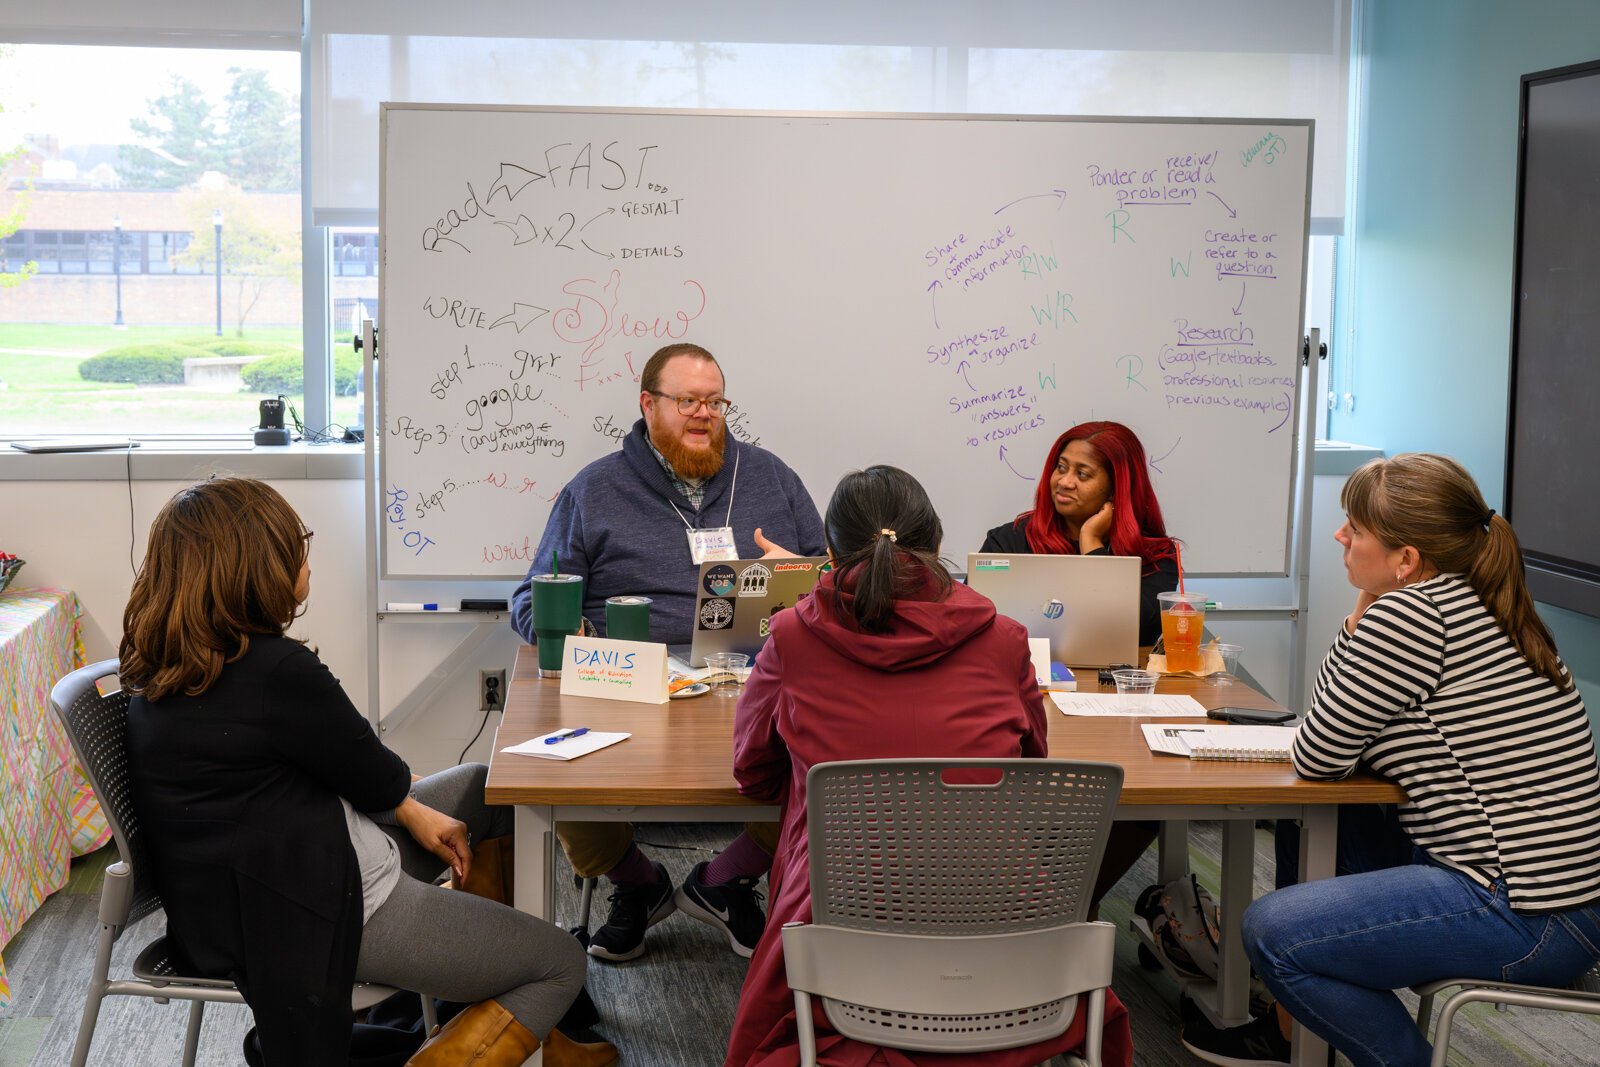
point(556, 739)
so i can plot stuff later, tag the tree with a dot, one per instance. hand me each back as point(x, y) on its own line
point(254, 141)
point(260, 148)
point(696, 58)
point(11, 218)
point(255, 254)
point(10, 222)
point(181, 140)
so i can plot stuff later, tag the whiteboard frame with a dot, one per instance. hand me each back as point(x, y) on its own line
point(1301, 441)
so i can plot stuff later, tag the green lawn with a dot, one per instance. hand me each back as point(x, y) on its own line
point(44, 394)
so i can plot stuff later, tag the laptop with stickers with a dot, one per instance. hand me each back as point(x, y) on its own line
point(735, 598)
point(1086, 606)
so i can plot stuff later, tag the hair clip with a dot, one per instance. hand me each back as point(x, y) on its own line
point(889, 534)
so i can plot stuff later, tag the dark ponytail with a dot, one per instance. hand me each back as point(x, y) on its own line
point(885, 537)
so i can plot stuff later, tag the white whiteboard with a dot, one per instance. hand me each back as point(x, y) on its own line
point(945, 294)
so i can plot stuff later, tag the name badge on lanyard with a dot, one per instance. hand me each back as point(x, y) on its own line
point(712, 544)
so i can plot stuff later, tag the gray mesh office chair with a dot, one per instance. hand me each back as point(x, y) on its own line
point(948, 917)
point(1582, 996)
point(97, 722)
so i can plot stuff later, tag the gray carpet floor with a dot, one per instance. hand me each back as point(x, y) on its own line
point(671, 1008)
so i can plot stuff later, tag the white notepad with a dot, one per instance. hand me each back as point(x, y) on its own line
point(1243, 743)
point(570, 748)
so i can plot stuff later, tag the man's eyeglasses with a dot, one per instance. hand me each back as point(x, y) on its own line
point(688, 405)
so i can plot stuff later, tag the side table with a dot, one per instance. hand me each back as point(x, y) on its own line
point(48, 812)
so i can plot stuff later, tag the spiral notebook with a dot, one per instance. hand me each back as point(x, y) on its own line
point(1242, 743)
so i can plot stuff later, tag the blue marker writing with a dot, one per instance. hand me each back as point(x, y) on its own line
point(560, 736)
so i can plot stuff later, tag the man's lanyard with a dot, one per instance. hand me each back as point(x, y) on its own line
point(715, 543)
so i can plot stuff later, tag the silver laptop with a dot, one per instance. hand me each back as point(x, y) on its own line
point(734, 599)
point(73, 444)
point(1087, 606)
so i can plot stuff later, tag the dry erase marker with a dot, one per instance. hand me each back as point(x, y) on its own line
point(413, 607)
point(557, 738)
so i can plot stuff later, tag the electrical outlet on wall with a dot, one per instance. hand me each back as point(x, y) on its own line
point(491, 690)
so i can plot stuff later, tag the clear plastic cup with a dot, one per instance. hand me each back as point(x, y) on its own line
point(1183, 620)
point(728, 672)
point(1230, 664)
point(1135, 688)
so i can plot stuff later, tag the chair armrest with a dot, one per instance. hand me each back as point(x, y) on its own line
point(116, 894)
point(949, 975)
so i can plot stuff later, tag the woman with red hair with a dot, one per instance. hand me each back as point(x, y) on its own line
point(1095, 498)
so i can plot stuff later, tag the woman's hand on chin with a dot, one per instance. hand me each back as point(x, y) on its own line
point(1364, 600)
point(1096, 528)
point(437, 832)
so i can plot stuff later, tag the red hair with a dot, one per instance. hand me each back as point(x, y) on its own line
point(1137, 528)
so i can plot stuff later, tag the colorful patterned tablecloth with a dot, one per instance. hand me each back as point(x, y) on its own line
point(48, 813)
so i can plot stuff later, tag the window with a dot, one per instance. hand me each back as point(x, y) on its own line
point(152, 136)
point(181, 151)
point(353, 298)
point(354, 255)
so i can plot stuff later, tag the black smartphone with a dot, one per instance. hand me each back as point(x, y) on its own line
point(1252, 716)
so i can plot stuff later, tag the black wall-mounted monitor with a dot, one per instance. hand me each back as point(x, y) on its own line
point(1553, 442)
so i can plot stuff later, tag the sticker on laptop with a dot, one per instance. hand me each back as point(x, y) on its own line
point(716, 614)
point(719, 580)
point(753, 580)
point(991, 564)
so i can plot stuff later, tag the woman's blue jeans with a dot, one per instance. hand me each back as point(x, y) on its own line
point(1334, 950)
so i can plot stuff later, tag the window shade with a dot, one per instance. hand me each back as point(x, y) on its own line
point(188, 23)
point(1231, 58)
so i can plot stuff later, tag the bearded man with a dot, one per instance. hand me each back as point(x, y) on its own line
point(638, 522)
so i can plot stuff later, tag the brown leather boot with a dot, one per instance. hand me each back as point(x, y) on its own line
point(561, 1051)
point(490, 875)
point(485, 1035)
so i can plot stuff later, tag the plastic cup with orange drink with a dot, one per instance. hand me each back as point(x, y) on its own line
point(1183, 618)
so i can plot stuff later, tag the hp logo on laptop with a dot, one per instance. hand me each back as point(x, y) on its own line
point(1053, 609)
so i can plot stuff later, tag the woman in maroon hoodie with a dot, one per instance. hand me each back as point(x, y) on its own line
point(888, 659)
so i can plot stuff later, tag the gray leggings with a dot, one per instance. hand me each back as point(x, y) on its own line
point(453, 945)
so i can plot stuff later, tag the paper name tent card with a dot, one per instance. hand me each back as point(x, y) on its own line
point(1242, 743)
point(614, 670)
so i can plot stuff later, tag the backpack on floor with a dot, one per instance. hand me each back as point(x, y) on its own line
point(1183, 923)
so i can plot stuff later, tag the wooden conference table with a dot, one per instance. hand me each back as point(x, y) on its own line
point(677, 767)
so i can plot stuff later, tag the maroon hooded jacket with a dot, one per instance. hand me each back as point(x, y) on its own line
point(948, 678)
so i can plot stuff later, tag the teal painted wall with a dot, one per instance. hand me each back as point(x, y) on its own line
point(1427, 286)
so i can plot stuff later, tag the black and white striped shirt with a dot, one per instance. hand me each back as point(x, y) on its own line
point(1498, 764)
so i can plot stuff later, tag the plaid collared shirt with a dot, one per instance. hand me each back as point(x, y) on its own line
point(693, 491)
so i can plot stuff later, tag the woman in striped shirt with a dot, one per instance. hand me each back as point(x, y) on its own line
point(1444, 680)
